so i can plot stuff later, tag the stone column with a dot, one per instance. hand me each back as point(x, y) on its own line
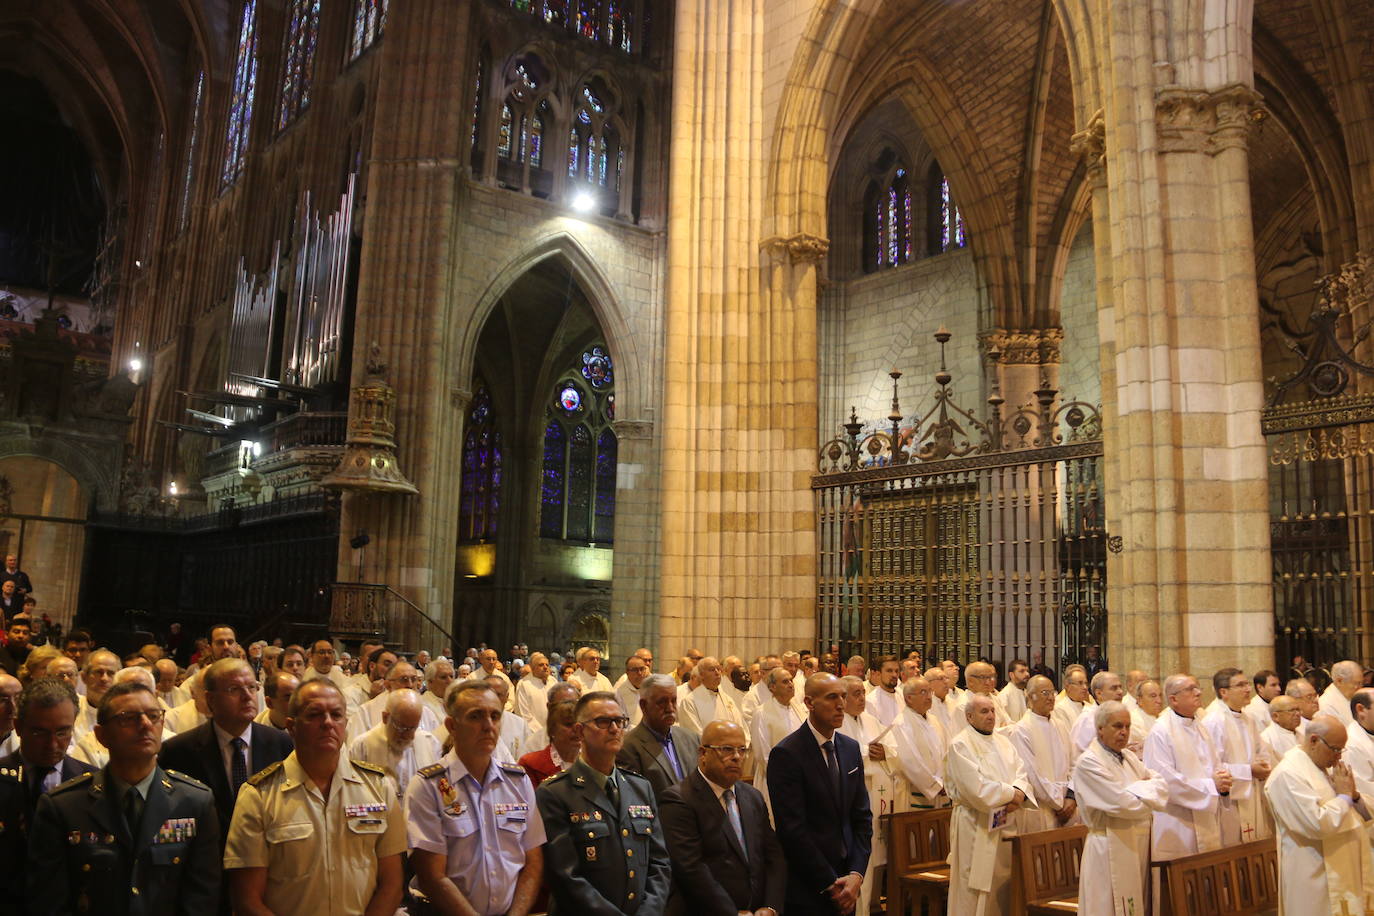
point(739, 430)
point(634, 588)
point(1186, 475)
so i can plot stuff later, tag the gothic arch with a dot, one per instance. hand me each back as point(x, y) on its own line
point(632, 394)
point(98, 476)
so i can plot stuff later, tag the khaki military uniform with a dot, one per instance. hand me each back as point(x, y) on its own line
point(320, 854)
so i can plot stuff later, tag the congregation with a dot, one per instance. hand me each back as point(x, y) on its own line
point(305, 780)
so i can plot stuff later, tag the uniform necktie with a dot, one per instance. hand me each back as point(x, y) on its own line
point(133, 810)
point(40, 775)
point(732, 812)
point(613, 793)
point(238, 764)
point(834, 766)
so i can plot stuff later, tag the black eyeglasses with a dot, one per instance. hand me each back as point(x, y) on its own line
point(130, 719)
point(727, 750)
point(606, 722)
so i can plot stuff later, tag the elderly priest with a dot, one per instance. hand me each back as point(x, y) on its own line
point(987, 783)
point(1325, 864)
point(1117, 797)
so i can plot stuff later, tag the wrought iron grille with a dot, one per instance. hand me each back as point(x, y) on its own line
point(964, 537)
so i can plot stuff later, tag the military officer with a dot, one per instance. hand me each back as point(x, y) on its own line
point(473, 827)
point(316, 833)
point(132, 839)
point(606, 852)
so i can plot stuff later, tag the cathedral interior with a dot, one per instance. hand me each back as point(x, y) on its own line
point(988, 327)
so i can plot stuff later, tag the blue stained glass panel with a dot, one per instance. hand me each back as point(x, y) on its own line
point(298, 59)
point(369, 21)
point(597, 368)
point(503, 144)
point(192, 143)
point(603, 531)
point(581, 458)
point(551, 483)
point(243, 91)
point(494, 486)
point(570, 399)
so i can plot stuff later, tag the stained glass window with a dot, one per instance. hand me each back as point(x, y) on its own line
point(369, 20)
point(541, 115)
point(887, 214)
point(192, 143)
point(479, 501)
point(477, 100)
point(578, 486)
point(618, 21)
point(947, 230)
point(298, 59)
point(503, 145)
point(241, 94)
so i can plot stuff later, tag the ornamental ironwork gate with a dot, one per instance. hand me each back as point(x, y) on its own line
point(1321, 485)
point(961, 537)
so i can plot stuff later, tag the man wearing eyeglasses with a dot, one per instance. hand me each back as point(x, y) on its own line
point(401, 676)
point(132, 838)
point(726, 857)
point(230, 747)
point(44, 720)
point(398, 744)
point(606, 851)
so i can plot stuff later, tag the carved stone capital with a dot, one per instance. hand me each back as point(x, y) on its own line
point(1090, 145)
point(1202, 121)
point(1034, 347)
point(460, 396)
point(633, 429)
point(799, 248)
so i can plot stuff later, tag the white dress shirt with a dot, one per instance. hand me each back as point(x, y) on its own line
point(226, 753)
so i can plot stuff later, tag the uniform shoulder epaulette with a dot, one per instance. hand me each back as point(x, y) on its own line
point(189, 780)
point(370, 767)
point(434, 769)
point(554, 778)
point(262, 774)
point(630, 770)
point(72, 783)
point(513, 768)
point(9, 773)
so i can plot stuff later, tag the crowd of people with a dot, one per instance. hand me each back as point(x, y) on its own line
point(304, 780)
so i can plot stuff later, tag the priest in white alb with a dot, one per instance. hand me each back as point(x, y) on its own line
point(1325, 864)
point(884, 702)
point(1281, 734)
point(882, 775)
point(706, 703)
point(943, 700)
point(982, 682)
point(1359, 743)
point(1105, 686)
point(1149, 703)
point(1069, 705)
point(1346, 678)
point(921, 746)
point(1181, 751)
point(1238, 742)
point(1044, 748)
point(987, 784)
point(1013, 694)
point(1117, 798)
point(1267, 687)
point(779, 715)
point(1134, 678)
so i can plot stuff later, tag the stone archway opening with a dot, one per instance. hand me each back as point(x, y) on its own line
point(43, 513)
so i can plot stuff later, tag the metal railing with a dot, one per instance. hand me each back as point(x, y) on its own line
point(359, 610)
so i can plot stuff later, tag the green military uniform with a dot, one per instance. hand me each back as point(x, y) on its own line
point(82, 857)
point(13, 845)
point(603, 858)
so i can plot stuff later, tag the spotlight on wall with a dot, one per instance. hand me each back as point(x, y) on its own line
point(172, 488)
point(135, 365)
point(584, 202)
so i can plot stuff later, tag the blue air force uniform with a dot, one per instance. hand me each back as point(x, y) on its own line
point(603, 858)
point(83, 858)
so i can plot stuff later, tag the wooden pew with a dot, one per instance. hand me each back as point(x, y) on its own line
point(917, 870)
point(1045, 871)
point(1224, 882)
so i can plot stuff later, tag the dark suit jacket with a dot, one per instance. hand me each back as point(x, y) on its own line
point(712, 874)
point(13, 765)
point(823, 838)
point(83, 857)
point(196, 753)
point(642, 753)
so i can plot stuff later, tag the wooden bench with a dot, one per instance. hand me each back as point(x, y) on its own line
point(917, 866)
point(1224, 882)
point(1045, 871)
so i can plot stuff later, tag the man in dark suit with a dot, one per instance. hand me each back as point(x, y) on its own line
point(47, 714)
point(229, 748)
point(132, 839)
point(658, 749)
point(726, 857)
point(820, 806)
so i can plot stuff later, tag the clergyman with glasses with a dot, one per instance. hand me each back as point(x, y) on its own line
point(132, 836)
point(606, 850)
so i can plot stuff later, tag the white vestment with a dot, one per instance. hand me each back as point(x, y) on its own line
point(373, 747)
point(1333, 703)
point(940, 709)
point(1325, 865)
point(1238, 743)
point(515, 733)
point(85, 719)
point(1182, 752)
point(1067, 712)
point(1013, 701)
point(1278, 740)
point(921, 750)
point(885, 706)
point(1141, 723)
point(587, 683)
point(1046, 755)
point(532, 699)
point(704, 706)
point(982, 774)
point(1117, 797)
point(880, 778)
point(755, 697)
point(1084, 731)
point(174, 697)
point(370, 714)
point(183, 718)
point(1258, 711)
point(1359, 756)
point(89, 750)
point(772, 722)
point(958, 716)
point(628, 696)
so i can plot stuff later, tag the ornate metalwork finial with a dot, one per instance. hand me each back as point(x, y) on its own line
point(369, 459)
